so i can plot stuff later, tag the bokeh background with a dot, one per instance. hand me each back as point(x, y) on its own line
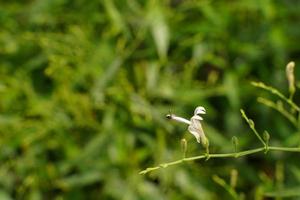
point(85, 87)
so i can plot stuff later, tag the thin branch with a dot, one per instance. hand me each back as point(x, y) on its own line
point(221, 155)
point(277, 93)
point(289, 149)
point(227, 187)
point(252, 126)
point(279, 108)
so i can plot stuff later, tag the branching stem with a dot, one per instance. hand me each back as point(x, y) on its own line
point(221, 155)
point(252, 126)
point(277, 93)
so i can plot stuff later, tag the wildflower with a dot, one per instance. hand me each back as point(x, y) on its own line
point(195, 126)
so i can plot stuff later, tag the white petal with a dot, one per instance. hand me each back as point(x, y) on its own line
point(195, 122)
point(194, 131)
point(199, 110)
point(179, 119)
point(196, 117)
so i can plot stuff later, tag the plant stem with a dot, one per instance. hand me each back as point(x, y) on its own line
point(280, 109)
point(221, 155)
point(277, 93)
point(289, 149)
point(252, 127)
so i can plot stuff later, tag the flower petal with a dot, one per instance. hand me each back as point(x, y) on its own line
point(196, 117)
point(199, 110)
point(196, 129)
point(195, 121)
point(179, 119)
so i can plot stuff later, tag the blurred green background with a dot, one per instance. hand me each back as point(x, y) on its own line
point(85, 87)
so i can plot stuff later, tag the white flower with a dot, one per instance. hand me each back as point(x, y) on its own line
point(194, 127)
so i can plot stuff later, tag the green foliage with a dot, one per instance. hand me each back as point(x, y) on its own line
point(85, 86)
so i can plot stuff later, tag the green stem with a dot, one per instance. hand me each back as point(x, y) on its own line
point(277, 93)
point(280, 109)
point(252, 127)
point(222, 155)
point(289, 149)
point(227, 187)
point(298, 122)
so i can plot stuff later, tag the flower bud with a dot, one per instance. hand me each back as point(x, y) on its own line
point(251, 123)
point(183, 146)
point(235, 142)
point(205, 142)
point(290, 77)
point(233, 178)
point(266, 136)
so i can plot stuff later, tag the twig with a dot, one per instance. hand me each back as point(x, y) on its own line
point(277, 93)
point(221, 155)
point(280, 109)
point(252, 126)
